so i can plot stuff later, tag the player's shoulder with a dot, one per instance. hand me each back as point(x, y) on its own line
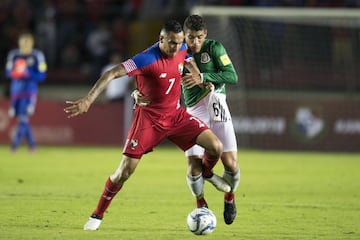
point(13, 52)
point(183, 47)
point(37, 52)
point(214, 47)
point(148, 56)
point(212, 43)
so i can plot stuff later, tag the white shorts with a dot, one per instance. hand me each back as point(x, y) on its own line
point(213, 111)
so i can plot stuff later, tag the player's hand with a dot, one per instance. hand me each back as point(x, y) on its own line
point(191, 66)
point(140, 99)
point(77, 107)
point(191, 80)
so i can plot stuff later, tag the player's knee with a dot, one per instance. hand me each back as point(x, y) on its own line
point(230, 162)
point(121, 177)
point(216, 148)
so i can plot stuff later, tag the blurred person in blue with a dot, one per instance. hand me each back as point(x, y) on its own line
point(25, 67)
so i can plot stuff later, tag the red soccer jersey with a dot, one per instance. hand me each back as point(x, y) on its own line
point(158, 77)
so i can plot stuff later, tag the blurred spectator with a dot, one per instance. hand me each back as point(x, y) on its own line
point(97, 44)
point(62, 27)
point(119, 91)
point(68, 21)
point(70, 58)
point(23, 15)
point(96, 10)
point(120, 35)
point(5, 45)
point(46, 32)
point(119, 88)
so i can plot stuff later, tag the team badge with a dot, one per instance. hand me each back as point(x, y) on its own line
point(205, 57)
point(180, 68)
point(134, 143)
point(162, 75)
point(225, 59)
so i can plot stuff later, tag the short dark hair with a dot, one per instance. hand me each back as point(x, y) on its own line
point(172, 26)
point(194, 23)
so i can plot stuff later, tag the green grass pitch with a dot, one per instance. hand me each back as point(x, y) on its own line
point(282, 195)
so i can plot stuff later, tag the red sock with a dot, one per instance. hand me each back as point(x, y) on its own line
point(201, 202)
point(209, 163)
point(229, 197)
point(107, 196)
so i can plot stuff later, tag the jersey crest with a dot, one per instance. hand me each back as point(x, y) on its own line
point(205, 57)
point(134, 143)
point(181, 68)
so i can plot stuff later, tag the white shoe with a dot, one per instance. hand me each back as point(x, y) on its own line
point(219, 183)
point(92, 224)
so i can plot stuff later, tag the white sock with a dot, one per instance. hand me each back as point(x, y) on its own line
point(196, 184)
point(233, 179)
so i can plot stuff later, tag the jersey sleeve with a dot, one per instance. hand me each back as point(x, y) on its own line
point(137, 64)
point(42, 66)
point(188, 57)
point(39, 73)
point(225, 69)
point(9, 63)
point(130, 67)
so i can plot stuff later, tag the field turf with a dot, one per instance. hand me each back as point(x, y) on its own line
point(50, 194)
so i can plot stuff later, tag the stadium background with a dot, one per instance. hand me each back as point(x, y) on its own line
point(298, 88)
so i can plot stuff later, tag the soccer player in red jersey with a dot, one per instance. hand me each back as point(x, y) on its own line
point(158, 72)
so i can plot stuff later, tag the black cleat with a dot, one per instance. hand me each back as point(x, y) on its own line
point(229, 212)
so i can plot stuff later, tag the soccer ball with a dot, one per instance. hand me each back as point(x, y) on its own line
point(201, 221)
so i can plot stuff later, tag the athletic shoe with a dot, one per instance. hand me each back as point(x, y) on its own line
point(93, 223)
point(229, 211)
point(32, 149)
point(219, 183)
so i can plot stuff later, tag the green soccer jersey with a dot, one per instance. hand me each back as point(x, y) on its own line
point(216, 67)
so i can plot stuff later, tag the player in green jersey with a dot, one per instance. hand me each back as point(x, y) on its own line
point(209, 104)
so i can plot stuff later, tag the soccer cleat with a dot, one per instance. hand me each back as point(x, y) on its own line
point(219, 183)
point(229, 211)
point(93, 223)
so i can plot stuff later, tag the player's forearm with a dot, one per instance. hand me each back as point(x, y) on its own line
point(104, 81)
point(228, 77)
point(99, 86)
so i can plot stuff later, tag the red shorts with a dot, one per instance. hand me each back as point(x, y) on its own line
point(150, 127)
